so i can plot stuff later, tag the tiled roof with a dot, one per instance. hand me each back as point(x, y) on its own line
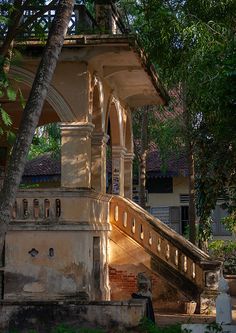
point(175, 165)
point(46, 165)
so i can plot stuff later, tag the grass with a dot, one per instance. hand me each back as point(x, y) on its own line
point(145, 327)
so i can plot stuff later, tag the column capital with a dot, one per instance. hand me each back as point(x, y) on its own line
point(77, 128)
point(99, 139)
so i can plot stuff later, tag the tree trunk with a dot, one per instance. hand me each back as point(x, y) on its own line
point(192, 212)
point(32, 113)
point(143, 157)
point(16, 26)
point(190, 156)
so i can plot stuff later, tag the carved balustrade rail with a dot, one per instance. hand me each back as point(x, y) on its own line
point(178, 255)
point(59, 205)
point(81, 22)
point(36, 207)
point(164, 243)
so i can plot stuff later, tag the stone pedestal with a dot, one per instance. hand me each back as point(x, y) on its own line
point(76, 155)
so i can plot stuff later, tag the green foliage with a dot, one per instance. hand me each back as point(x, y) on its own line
point(47, 139)
point(230, 221)
point(225, 251)
point(214, 328)
point(63, 329)
point(192, 44)
point(90, 330)
point(230, 204)
point(149, 327)
point(5, 117)
point(146, 326)
point(168, 136)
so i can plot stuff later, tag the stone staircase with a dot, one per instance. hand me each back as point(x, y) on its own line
point(175, 259)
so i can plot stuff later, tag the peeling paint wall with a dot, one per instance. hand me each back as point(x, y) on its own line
point(51, 264)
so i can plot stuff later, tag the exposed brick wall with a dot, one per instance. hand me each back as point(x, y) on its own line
point(122, 283)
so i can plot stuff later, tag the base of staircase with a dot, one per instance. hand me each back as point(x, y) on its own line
point(165, 319)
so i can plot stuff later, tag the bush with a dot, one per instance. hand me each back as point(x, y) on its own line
point(225, 251)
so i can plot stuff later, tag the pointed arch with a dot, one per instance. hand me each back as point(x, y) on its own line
point(114, 119)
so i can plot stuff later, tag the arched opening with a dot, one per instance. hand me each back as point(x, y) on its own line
point(115, 150)
point(43, 168)
point(54, 111)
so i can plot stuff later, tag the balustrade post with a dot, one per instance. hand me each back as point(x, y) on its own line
point(76, 155)
point(98, 175)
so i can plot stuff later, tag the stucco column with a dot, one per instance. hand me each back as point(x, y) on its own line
point(99, 145)
point(118, 154)
point(76, 154)
point(128, 175)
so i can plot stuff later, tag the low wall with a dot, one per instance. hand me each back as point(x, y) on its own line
point(24, 316)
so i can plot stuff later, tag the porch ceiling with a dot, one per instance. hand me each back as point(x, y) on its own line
point(119, 60)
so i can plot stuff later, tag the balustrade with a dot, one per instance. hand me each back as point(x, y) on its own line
point(60, 205)
point(81, 22)
point(36, 209)
point(160, 241)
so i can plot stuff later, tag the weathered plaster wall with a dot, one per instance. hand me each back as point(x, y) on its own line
point(32, 270)
point(44, 316)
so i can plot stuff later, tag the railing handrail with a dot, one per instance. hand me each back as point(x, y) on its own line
point(46, 19)
point(171, 235)
point(60, 191)
point(74, 26)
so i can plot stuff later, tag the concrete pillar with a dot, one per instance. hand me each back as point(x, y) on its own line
point(104, 15)
point(118, 154)
point(76, 155)
point(99, 145)
point(128, 175)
